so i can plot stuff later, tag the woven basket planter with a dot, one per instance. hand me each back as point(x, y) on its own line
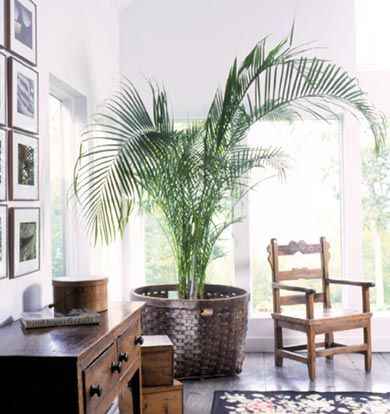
point(208, 334)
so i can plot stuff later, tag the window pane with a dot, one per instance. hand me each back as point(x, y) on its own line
point(56, 188)
point(376, 220)
point(160, 266)
point(304, 207)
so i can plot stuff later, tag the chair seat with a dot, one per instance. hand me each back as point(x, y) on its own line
point(321, 316)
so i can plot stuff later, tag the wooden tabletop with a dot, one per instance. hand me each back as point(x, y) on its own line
point(67, 341)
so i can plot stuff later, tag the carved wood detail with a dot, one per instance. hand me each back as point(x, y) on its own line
point(301, 246)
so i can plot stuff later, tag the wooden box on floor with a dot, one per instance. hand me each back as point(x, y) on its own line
point(157, 361)
point(163, 400)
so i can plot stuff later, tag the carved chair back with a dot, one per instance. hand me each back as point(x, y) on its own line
point(321, 249)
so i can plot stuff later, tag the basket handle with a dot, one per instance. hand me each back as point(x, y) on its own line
point(207, 312)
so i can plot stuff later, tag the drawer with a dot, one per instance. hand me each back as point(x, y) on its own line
point(128, 349)
point(99, 380)
point(163, 400)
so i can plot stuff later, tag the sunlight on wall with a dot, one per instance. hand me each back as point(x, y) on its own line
point(372, 34)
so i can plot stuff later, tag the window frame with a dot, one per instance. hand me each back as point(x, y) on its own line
point(74, 116)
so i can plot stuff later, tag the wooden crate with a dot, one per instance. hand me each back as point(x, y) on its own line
point(163, 400)
point(157, 361)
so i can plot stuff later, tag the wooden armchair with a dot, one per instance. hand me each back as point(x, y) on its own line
point(312, 321)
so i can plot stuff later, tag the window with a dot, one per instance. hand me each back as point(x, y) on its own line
point(305, 206)
point(56, 188)
point(376, 220)
point(160, 265)
point(159, 262)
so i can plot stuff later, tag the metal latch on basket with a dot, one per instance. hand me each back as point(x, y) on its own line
point(207, 313)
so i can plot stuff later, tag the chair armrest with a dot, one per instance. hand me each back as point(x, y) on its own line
point(350, 282)
point(292, 288)
point(309, 293)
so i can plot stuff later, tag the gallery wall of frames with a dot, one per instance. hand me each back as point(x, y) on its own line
point(19, 141)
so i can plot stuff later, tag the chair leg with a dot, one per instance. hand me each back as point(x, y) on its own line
point(278, 344)
point(311, 354)
point(329, 339)
point(368, 353)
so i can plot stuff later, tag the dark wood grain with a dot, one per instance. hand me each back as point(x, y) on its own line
point(68, 341)
point(53, 370)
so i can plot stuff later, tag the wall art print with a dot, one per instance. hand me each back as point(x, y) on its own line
point(23, 167)
point(23, 97)
point(22, 36)
point(24, 241)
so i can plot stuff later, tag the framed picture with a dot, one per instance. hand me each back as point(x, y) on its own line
point(3, 242)
point(3, 89)
point(3, 165)
point(23, 167)
point(24, 241)
point(23, 97)
point(22, 33)
point(2, 23)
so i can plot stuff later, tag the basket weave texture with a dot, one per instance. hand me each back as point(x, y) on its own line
point(208, 334)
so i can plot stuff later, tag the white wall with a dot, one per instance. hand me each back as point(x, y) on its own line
point(189, 46)
point(78, 44)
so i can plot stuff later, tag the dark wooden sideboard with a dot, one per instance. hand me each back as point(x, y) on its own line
point(73, 369)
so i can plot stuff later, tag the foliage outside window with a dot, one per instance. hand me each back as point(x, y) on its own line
point(160, 264)
point(304, 206)
point(376, 220)
point(56, 188)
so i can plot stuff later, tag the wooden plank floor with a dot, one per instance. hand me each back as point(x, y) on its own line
point(344, 373)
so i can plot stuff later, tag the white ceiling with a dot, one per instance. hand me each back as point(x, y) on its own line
point(121, 4)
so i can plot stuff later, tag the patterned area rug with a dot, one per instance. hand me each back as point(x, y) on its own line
point(291, 402)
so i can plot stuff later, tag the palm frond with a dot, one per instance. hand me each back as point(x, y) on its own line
point(117, 156)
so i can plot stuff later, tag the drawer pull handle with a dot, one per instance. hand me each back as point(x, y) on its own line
point(96, 389)
point(116, 367)
point(138, 340)
point(124, 356)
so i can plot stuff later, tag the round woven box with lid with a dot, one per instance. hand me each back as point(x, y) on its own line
point(88, 292)
point(208, 334)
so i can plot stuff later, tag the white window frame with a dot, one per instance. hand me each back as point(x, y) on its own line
point(73, 118)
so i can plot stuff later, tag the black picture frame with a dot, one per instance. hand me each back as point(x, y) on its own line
point(18, 120)
point(15, 45)
point(3, 165)
point(3, 89)
point(32, 215)
point(3, 24)
point(19, 191)
point(4, 241)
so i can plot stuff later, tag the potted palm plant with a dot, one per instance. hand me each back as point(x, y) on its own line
point(131, 158)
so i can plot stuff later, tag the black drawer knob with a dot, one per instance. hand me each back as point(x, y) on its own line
point(138, 340)
point(116, 367)
point(124, 356)
point(96, 390)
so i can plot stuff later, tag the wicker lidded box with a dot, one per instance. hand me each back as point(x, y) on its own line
point(88, 292)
